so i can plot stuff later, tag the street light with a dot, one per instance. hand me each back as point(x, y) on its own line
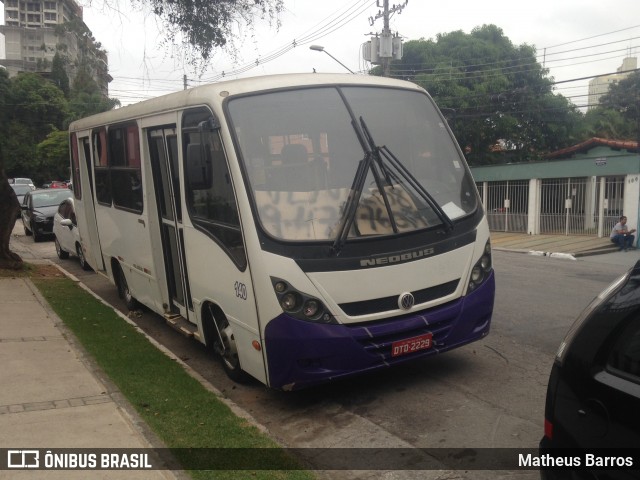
point(320, 48)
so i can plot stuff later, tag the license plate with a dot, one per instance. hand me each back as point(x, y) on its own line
point(410, 345)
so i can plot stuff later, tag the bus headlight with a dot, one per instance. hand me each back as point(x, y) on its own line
point(289, 302)
point(311, 308)
point(300, 305)
point(481, 269)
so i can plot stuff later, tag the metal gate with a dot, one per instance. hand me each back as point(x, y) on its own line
point(507, 205)
point(580, 205)
point(612, 203)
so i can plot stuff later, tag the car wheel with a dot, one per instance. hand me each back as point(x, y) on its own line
point(123, 290)
point(83, 261)
point(36, 236)
point(61, 253)
point(27, 232)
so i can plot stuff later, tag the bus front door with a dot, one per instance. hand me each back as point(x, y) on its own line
point(163, 149)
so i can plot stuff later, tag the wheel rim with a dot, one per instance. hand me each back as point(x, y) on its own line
point(230, 356)
point(125, 288)
point(80, 255)
point(58, 249)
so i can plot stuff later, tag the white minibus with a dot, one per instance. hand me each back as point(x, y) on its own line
point(307, 227)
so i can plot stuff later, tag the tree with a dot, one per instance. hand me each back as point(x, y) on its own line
point(9, 206)
point(494, 93)
point(58, 73)
point(53, 154)
point(200, 25)
point(623, 98)
point(30, 108)
point(607, 123)
point(38, 107)
point(86, 98)
point(205, 25)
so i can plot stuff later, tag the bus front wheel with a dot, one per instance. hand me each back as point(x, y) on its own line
point(224, 344)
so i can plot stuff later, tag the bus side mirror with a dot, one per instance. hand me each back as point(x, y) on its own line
point(198, 167)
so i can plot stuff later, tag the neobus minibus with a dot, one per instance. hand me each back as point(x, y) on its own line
point(306, 226)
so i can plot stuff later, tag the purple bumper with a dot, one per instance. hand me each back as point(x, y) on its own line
point(301, 354)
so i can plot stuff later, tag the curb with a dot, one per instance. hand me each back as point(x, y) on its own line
point(235, 408)
point(564, 256)
point(124, 407)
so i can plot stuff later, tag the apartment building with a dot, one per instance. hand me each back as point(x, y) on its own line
point(33, 36)
point(600, 85)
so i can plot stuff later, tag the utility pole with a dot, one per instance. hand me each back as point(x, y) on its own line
point(386, 33)
point(384, 47)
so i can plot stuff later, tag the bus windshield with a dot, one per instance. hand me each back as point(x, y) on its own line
point(321, 163)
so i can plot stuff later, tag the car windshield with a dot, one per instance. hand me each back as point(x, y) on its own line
point(310, 166)
point(50, 199)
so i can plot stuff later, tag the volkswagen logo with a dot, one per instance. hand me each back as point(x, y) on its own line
point(406, 301)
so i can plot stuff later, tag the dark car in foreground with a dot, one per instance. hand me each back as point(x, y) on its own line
point(38, 209)
point(592, 411)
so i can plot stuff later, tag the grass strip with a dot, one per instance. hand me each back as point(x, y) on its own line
point(177, 407)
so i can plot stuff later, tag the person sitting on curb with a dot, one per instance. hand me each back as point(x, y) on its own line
point(622, 236)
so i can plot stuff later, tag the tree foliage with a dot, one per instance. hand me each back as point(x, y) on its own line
point(59, 74)
point(493, 93)
point(34, 112)
point(37, 107)
point(621, 107)
point(205, 25)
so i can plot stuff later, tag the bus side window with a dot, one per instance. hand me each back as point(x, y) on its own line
point(211, 203)
point(101, 168)
point(124, 165)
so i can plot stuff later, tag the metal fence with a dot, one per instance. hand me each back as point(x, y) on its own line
point(507, 205)
point(580, 205)
point(612, 201)
point(568, 206)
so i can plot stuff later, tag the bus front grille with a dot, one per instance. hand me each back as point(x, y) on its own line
point(377, 305)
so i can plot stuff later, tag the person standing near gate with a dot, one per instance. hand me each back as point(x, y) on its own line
point(621, 235)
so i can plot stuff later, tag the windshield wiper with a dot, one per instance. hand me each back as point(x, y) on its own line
point(377, 158)
point(385, 154)
point(351, 205)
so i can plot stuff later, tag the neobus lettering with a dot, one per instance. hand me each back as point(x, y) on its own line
point(403, 257)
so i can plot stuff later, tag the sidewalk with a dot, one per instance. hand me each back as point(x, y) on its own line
point(582, 248)
point(576, 245)
point(51, 397)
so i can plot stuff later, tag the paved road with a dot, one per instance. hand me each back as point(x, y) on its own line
point(488, 394)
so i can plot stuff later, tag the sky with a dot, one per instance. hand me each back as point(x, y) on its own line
point(573, 38)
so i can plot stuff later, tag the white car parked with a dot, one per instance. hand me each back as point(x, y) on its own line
point(65, 228)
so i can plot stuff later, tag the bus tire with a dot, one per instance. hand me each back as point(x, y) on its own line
point(123, 289)
point(227, 351)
